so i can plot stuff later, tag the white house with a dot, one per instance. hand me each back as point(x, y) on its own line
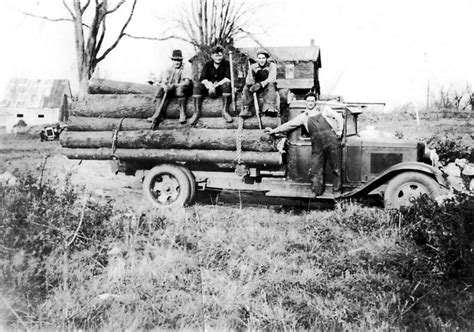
point(36, 102)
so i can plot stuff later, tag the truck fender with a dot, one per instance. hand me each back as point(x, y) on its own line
point(394, 170)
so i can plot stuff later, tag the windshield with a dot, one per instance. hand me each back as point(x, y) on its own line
point(352, 115)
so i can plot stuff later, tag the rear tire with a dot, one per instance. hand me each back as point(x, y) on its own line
point(167, 186)
point(192, 184)
point(403, 188)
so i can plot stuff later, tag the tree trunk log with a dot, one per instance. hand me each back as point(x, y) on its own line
point(140, 106)
point(194, 156)
point(102, 86)
point(114, 106)
point(77, 123)
point(189, 138)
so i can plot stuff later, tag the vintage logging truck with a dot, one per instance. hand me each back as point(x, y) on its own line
point(214, 155)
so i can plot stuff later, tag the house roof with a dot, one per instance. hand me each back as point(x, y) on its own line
point(29, 93)
point(293, 53)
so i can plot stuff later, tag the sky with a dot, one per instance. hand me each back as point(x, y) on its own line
point(372, 51)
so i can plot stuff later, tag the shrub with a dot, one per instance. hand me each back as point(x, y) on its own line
point(41, 227)
point(442, 232)
point(438, 264)
point(449, 148)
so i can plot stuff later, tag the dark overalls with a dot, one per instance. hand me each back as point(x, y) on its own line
point(325, 146)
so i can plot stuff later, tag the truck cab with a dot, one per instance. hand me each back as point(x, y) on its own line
point(368, 163)
point(390, 168)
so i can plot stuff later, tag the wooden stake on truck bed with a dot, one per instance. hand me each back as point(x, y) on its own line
point(257, 110)
point(234, 105)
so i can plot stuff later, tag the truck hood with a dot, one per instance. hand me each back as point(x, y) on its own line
point(382, 142)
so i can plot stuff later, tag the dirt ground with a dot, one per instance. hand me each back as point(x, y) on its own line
point(22, 154)
point(26, 154)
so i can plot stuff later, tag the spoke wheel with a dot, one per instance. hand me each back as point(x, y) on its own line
point(167, 186)
point(403, 188)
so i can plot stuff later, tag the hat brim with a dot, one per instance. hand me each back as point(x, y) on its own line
point(264, 53)
point(176, 58)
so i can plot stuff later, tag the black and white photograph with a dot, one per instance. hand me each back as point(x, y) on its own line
point(236, 165)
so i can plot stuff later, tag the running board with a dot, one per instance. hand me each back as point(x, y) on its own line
point(271, 186)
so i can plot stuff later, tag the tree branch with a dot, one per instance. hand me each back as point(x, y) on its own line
point(205, 17)
point(213, 18)
point(117, 7)
point(97, 21)
point(187, 26)
point(102, 35)
point(159, 38)
point(49, 18)
point(200, 26)
point(46, 18)
point(83, 9)
point(68, 9)
point(121, 34)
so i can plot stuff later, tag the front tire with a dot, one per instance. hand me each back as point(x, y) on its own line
point(167, 186)
point(403, 188)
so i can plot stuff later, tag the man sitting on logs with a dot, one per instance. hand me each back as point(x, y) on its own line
point(261, 79)
point(174, 81)
point(214, 81)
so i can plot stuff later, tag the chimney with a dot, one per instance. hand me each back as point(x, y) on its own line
point(311, 42)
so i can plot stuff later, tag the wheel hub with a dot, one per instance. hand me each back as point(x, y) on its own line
point(411, 190)
point(165, 189)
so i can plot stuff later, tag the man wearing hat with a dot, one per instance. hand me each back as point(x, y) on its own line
point(324, 125)
point(261, 78)
point(213, 82)
point(175, 81)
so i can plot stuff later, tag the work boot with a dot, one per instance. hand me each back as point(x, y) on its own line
point(317, 185)
point(225, 109)
point(159, 113)
point(245, 112)
point(197, 110)
point(182, 110)
point(155, 115)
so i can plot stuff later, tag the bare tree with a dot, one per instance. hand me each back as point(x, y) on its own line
point(202, 23)
point(89, 37)
point(205, 23)
point(211, 22)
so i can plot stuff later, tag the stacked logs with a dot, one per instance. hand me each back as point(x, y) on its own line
point(112, 120)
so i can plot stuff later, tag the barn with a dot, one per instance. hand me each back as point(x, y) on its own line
point(34, 102)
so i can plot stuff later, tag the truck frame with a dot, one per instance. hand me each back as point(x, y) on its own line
point(393, 169)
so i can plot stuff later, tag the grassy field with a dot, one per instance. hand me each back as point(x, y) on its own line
point(81, 250)
point(72, 262)
point(430, 123)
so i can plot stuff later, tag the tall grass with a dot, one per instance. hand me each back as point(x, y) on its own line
point(71, 262)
